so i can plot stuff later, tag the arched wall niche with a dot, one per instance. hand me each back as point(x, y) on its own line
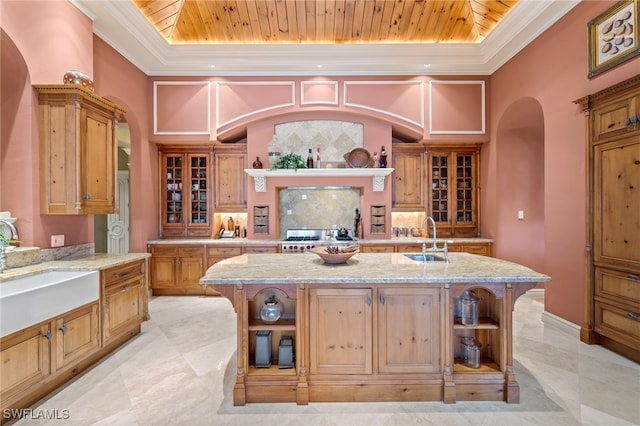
point(520, 184)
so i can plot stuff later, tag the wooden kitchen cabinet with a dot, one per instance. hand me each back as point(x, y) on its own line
point(230, 193)
point(344, 323)
point(125, 307)
point(185, 192)
point(78, 151)
point(408, 177)
point(376, 248)
point(78, 335)
point(452, 186)
point(612, 309)
point(341, 331)
point(32, 358)
point(176, 269)
point(408, 330)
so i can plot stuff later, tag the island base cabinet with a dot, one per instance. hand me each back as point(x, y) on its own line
point(376, 342)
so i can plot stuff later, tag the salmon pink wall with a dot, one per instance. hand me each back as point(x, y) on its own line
point(553, 71)
point(121, 82)
point(45, 39)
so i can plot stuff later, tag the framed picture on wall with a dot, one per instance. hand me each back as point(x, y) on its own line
point(613, 37)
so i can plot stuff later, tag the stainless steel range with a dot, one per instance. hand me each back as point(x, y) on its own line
point(303, 240)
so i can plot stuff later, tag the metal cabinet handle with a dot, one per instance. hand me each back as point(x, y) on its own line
point(63, 328)
point(369, 300)
point(633, 276)
point(87, 197)
point(127, 287)
point(47, 335)
point(633, 316)
point(382, 299)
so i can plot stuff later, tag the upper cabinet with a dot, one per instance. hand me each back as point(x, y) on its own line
point(452, 187)
point(78, 151)
point(185, 192)
point(230, 179)
point(408, 177)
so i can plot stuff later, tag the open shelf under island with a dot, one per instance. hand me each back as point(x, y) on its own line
point(381, 327)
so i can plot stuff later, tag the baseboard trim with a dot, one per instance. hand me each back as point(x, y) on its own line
point(561, 324)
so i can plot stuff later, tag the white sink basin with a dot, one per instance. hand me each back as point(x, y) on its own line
point(28, 300)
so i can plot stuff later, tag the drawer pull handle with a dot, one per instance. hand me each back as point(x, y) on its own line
point(633, 276)
point(123, 275)
point(63, 328)
point(368, 300)
point(47, 335)
point(382, 300)
point(633, 316)
point(127, 287)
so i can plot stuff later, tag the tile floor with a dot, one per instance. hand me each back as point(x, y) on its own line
point(180, 371)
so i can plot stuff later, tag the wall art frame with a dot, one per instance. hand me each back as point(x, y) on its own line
point(613, 37)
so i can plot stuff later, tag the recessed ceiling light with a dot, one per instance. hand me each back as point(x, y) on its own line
point(318, 66)
point(212, 66)
point(427, 65)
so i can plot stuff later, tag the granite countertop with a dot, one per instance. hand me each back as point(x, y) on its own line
point(93, 262)
point(366, 268)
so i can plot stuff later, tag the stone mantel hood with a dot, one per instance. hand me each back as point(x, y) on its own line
point(260, 175)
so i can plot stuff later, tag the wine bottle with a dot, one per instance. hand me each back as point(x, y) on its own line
point(310, 160)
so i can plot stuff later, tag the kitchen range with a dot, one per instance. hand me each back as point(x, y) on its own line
point(303, 240)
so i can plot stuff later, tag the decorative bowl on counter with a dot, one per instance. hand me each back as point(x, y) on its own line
point(335, 254)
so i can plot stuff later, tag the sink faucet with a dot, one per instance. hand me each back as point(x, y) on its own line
point(434, 247)
point(4, 243)
point(433, 228)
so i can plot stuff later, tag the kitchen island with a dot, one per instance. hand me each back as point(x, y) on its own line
point(381, 327)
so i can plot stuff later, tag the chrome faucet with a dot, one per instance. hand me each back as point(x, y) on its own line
point(4, 243)
point(433, 227)
point(434, 247)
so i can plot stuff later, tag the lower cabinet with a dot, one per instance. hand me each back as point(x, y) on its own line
point(377, 342)
point(176, 269)
point(342, 330)
point(125, 304)
point(40, 358)
point(33, 356)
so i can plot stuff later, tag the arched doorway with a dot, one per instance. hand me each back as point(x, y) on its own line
point(520, 184)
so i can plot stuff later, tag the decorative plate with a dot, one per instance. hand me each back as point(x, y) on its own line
point(359, 158)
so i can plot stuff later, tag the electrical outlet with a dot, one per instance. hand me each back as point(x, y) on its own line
point(520, 214)
point(57, 240)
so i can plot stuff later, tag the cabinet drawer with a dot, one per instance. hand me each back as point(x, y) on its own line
point(621, 286)
point(261, 211)
point(261, 220)
point(261, 249)
point(377, 210)
point(377, 220)
point(224, 251)
point(377, 249)
point(190, 251)
point(618, 324)
point(127, 271)
point(481, 249)
point(164, 250)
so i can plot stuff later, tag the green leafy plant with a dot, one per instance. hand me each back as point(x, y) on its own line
point(290, 161)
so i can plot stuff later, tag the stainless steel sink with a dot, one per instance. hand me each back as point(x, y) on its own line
point(418, 257)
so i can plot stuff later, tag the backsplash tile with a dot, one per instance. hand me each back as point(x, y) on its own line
point(335, 138)
point(323, 208)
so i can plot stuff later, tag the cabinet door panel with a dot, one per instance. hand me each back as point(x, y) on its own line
point(617, 201)
point(341, 331)
point(97, 186)
point(77, 335)
point(25, 359)
point(408, 333)
point(163, 272)
point(190, 271)
point(123, 307)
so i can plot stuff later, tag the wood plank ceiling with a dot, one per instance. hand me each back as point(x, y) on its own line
point(324, 21)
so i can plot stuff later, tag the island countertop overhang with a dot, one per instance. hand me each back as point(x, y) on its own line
point(366, 268)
